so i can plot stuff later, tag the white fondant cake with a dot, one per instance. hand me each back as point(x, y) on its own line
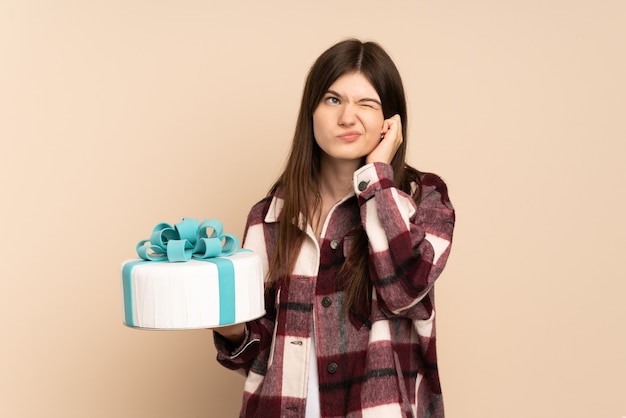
point(194, 294)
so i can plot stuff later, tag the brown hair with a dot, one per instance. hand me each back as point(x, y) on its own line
point(299, 180)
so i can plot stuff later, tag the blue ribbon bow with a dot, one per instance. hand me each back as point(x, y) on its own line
point(186, 240)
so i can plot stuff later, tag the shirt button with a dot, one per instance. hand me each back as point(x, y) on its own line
point(363, 185)
point(332, 368)
point(334, 244)
point(326, 301)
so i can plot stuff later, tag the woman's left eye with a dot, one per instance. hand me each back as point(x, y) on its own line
point(370, 105)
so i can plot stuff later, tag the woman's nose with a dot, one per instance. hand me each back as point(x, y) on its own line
point(347, 117)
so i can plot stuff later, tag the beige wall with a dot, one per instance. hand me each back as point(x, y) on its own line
point(116, 115)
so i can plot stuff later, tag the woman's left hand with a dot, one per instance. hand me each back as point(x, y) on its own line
point(391, 133)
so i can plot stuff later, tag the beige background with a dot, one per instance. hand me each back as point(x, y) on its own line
point(117, 115)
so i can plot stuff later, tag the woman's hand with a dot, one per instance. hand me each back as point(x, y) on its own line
point(391, 134)
point(233, 333)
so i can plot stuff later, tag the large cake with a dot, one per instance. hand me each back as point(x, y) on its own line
point(191, 275)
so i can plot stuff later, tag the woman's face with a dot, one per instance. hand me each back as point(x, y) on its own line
point(347, 122)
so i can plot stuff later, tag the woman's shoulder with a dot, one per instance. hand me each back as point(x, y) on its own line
point(258, 212)
point(424, 183)
point(432, 180)
point(431, 183)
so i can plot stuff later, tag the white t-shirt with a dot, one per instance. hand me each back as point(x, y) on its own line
point(313, 389)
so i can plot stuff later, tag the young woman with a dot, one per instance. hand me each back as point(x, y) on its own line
point(352, 239)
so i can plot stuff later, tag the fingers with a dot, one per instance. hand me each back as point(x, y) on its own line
point(391, 139)
point(393, 127)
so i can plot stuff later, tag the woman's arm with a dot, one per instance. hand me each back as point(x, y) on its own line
point(238, 346)
point(409, 243)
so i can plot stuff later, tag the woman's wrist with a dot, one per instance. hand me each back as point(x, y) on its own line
point(235, 334)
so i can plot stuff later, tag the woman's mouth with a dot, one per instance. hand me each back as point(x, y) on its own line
point(349, 136)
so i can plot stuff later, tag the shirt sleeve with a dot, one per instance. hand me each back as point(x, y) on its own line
point(258, 334)
point(250, 351)
point(409, 243)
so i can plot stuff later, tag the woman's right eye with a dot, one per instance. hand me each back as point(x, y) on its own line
point(332, 100)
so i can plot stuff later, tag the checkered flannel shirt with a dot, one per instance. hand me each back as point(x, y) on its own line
point(381, 366)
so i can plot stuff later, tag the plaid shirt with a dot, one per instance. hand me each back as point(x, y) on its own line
point(385, 366)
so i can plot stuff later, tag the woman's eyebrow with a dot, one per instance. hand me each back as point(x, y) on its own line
point(334, 93)
point(369, 99)
point(364, 99)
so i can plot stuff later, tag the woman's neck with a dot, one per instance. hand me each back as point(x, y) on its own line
point(336, 178)
point(335, 183)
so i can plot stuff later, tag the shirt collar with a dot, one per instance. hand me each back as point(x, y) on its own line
point(277, 203)
point(276, 207)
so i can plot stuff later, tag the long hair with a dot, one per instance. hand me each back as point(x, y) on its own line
point(299, 180)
